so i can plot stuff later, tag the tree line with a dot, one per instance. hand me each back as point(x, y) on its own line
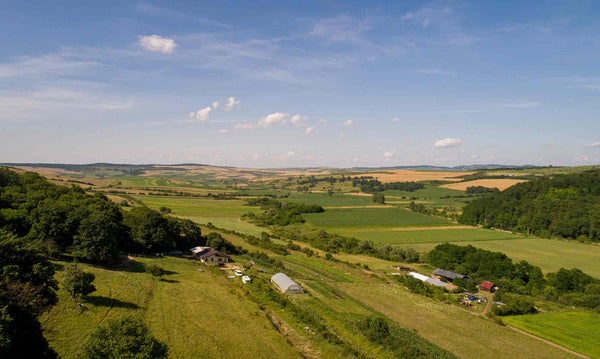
point(368, 184)
point(565, 206)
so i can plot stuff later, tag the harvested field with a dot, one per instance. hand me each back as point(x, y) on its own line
point(415, 176)
point(501, 184)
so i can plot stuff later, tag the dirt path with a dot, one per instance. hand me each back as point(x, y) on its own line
point(488, 307)
point(548, 342)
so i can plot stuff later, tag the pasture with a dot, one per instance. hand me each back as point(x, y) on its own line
point(182, 310)
point(373, 217)
point(575, 330)
point(335, 200)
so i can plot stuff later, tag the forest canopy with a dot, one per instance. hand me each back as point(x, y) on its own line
point(566, 206)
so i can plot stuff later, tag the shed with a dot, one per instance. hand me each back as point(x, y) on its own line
point(442, 273)
point(487, 286)
point(426, 279)
point(286, 284)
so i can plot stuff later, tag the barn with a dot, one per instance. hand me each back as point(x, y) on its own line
point(286, 284)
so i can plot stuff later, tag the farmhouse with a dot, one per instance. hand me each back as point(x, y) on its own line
point(209, 255)
point(487, 286)
point(449, 276)
point(286, 284)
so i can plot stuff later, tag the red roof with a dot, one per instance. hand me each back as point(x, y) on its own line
point(486, 285)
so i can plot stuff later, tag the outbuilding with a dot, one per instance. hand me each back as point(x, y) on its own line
point(286, 284)
point(487, 286)
point(447, 275)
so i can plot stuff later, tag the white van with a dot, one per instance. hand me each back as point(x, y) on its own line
point(238, 272)
point(246, 279)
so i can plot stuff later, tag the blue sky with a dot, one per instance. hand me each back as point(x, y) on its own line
point(278, 83)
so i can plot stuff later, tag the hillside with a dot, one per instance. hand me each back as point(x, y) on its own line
point(566, 206)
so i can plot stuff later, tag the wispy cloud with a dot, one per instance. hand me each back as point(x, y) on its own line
point(153, 10)
point(310, 130)
point(52, 64)
point(348, 123)
point(342, 28)
point(434, 72)
point(526, 104)
point(594, 144)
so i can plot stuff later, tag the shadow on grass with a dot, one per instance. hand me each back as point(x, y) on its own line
point(101, 301)
point(169, 280)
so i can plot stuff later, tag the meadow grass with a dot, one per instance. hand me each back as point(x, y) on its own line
point(197, 314)
point(373, 217)
point(198, 207)
point(450, 327)
point(427, 236)
point(575, 330)
point(548, 254)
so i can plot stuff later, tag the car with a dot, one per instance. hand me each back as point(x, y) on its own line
point(238, 272)
point(246, 279)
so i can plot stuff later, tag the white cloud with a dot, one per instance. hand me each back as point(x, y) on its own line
point(215, 105)
point(529, 104)
point(244, 126)
point(272, 119)
point(297, 121)
point(348, 123)
point(231, 103)
point(200, 115)
point(448, 142)
point(223, 130)
point(389, 154)
point(474, 156)
point(157, 43)
point(310, 131)
point(595, 144)
point(395, 119)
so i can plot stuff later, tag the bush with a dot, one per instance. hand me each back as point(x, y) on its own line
point(123, 338)
point(155, 270)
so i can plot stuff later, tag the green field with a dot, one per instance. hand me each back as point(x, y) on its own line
point(575, 330)
point(548, 254)
point(460, 332)
point(427, 236)
point(195, 313)
point(373, 217)
point(335, 200)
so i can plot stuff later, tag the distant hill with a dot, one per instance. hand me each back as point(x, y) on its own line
point(442, 168)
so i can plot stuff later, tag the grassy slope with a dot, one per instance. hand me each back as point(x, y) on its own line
point(194, 313)
point(548, 254)
point(464, 334)
point(222, 213)
point(373, 217)
point(574, 330)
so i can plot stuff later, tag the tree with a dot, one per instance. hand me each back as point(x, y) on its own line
point(97, 236)
point(78, 283)
point(27, 288)
point(123, 338)
point(379, 198)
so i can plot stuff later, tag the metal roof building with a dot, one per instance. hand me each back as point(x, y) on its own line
point(286, 284)
point(448, 275)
